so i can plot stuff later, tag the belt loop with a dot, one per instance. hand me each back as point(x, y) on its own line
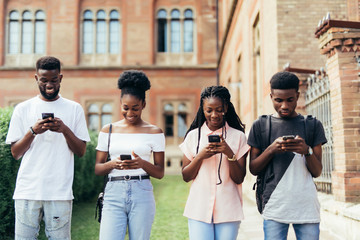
point(109, 178)
point(140, 177)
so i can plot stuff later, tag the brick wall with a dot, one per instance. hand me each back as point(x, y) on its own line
point(339, 45)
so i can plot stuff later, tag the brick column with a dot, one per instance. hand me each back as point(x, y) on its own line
point(340, 42)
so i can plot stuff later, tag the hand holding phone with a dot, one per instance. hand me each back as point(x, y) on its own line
point(125, 157)
point(286, 137)
point(47, 115)
point(214, 138)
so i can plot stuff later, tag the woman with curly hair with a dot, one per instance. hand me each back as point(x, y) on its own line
point(217, 169)
point(128, 197)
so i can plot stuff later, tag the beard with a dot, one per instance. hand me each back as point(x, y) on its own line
point(51, 96)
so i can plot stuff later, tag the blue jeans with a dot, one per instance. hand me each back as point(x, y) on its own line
point(278, 231)
point(207, 231)
point(56, 215)
point(127, 204)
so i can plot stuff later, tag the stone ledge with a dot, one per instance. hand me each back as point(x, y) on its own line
point(349, 210)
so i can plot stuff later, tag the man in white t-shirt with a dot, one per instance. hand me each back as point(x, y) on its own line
point(47, 145)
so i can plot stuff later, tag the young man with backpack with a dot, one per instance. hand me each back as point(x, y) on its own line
point(285, 155)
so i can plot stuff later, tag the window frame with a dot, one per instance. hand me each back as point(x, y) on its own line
point(170, 21)
point(107, 22)
point(26, 35)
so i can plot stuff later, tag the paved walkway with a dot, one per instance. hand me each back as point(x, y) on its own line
point(252, 227)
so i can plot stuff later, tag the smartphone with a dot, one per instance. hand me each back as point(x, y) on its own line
point(288, 137)
point(47, 115)
point(214, 138)
point(125, 157)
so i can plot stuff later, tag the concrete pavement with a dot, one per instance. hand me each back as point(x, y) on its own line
point(252, 226)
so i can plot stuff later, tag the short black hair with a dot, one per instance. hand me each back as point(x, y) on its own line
point(48, 63)
point(284, 80)
point(134, 82)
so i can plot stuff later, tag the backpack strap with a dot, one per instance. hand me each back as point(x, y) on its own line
point(309, 121)
point(265, 120)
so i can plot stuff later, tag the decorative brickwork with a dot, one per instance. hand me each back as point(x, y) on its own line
point(340, 42)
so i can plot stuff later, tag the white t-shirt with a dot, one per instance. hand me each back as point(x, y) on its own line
point(47, 167)
point(143, 144)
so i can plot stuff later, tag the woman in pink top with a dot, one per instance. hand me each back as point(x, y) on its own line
point(214, 205)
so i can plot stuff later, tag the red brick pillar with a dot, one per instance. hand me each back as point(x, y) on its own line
point(340, 42)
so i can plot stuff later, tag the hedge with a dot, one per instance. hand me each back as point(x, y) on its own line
point(86, 184)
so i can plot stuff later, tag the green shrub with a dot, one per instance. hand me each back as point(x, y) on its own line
point(86, 185)
point(9, 168)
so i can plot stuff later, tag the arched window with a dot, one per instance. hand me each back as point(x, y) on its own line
point(93, 117)
point(27, 32)
point(114, 32)
point(181, 31)
point(175, 31)
point(14, 31)
point(169, 119)
point(99, 114)
point(175, 118)
point(162, 31)
point(88, 28)
point(100, 32)
point(182, 115)
point(39, 32)
point(106, 114)
point(188, 31)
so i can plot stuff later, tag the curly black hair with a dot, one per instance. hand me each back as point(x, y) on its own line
point(134, 82)
point(48, 63)
point(230, 116)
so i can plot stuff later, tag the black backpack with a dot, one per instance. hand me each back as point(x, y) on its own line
point(262, 179)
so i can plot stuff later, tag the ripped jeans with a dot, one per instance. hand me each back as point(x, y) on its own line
point(56, 215)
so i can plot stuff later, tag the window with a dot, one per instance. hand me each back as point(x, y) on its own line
point(27, 32)
point(257, 84)
point(162, 31)
point(175, 119)
point(106, 29)
point(188, 31)
point(181, 29)
point(99, 114)
point(169, 119)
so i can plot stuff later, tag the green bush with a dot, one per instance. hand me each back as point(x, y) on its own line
point(9, 168)
point(86, 185)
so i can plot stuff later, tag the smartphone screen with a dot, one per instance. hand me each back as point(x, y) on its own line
point(125, 157)
point(214, 138)
point(47, 115)
point(288, 137)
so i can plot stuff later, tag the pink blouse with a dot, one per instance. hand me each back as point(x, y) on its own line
point(208, 202)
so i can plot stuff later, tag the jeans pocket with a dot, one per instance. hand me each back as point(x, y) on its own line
point(145, 185)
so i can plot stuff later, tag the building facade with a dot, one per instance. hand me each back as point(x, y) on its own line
point(173, 42)
point(318, 41)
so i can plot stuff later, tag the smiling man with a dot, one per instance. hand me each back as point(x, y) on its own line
point(47, 146)
point(285, 155)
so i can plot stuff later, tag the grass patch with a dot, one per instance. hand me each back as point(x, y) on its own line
point(170, 197)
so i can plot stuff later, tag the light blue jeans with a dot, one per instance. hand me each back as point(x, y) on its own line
point(278, 231)
point(127, 204)
point(56, 215)
point(210, 231)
